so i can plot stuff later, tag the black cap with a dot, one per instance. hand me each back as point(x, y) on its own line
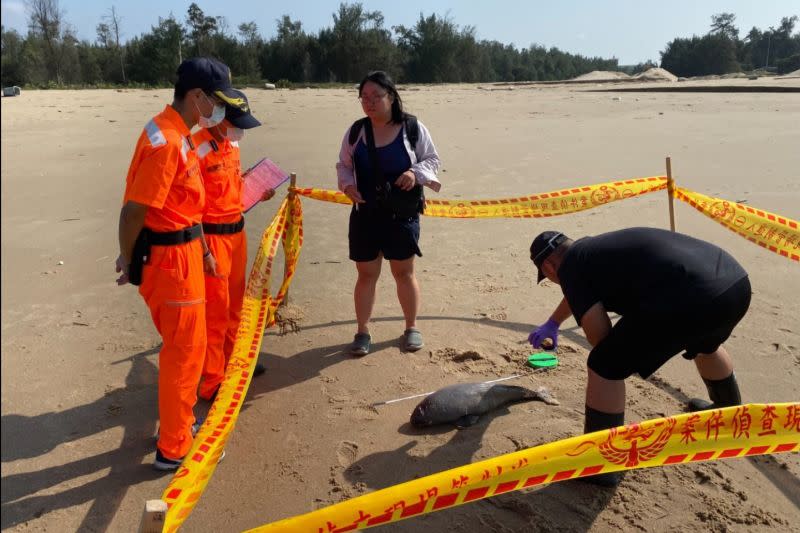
point(542, 246)
point(206, 73)
point(237, 111)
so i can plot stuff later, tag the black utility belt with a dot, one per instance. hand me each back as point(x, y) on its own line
point(169, 238)
point(223, 229)
point(148, 238)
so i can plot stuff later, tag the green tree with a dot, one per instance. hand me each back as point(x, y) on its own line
point(700, 56)
point(45, 25)
point(201, 28)
point(11, 54)
point(113, 22)
point(357, 43)
point(154, 57)
point(287, 55)
point(431, 47)
point(251, 44)
point(723, 24)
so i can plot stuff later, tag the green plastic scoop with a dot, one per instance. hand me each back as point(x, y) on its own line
point(543, 360)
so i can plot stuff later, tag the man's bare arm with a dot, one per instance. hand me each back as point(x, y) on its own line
point(596, 324)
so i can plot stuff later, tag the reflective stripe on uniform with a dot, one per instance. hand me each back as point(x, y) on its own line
point(154, 134)
point(204, 149)
point(185, 147)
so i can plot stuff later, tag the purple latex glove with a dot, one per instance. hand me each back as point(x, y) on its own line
point(548, 330)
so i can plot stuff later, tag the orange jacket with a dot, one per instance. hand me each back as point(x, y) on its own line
point(164, 174)
point(222, 176)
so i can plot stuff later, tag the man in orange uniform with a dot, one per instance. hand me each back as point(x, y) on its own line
point(162, 248)
point(223, 225)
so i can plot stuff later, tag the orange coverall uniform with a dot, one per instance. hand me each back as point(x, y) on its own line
point(221, 169)
point(165, 176)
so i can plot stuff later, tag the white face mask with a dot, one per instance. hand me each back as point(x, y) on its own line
point(217, 115)
point(234, 134)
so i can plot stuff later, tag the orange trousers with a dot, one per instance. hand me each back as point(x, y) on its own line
point(173, 288)
point(224, 298)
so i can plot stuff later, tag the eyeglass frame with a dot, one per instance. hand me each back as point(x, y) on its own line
point(547, 247)
point(372, 99)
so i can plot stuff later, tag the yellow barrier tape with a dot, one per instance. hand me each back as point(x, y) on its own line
point(604, 451)
point(740, 431)
point(547, 204)
point(775, 233)
point(258, 312)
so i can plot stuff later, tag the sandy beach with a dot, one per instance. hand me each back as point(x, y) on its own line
point(79, 354)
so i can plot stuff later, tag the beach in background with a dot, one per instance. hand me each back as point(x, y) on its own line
point(79, 354)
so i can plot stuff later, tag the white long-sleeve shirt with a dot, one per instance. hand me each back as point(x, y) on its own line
point(425, 161)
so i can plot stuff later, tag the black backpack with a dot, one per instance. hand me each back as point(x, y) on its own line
point(410, 122)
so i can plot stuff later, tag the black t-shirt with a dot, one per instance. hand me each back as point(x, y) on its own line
point(645, 272)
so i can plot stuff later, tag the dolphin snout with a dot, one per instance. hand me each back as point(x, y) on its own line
point(418, 418)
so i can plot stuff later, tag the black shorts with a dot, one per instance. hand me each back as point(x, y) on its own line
point(643, 345)
point(372, 232)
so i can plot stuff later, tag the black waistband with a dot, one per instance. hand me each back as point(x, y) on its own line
point(223, 229)
point(173, 237)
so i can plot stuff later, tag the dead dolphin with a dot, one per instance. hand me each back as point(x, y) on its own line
point(464, 403)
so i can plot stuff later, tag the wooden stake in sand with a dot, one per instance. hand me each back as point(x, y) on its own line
point(429, 393)
point(292, 184)
point(671, 193)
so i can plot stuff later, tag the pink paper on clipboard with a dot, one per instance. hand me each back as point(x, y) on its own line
point(257, 179)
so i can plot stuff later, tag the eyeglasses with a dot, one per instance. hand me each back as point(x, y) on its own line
point(372, 99)
point(547, 247)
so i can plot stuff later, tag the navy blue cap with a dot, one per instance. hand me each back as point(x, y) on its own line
point(237, 110)
point(205, 73)
point(542, 246)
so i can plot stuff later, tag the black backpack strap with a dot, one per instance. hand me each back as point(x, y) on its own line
point(412, 130)
point(355, 130)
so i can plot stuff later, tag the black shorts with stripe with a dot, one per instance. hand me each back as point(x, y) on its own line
point(643, 344)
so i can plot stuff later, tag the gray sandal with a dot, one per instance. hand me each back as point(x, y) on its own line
point(412, 340)
point(360, 345)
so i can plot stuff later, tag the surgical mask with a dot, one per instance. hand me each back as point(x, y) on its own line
point(217, 115)
point(234, 134)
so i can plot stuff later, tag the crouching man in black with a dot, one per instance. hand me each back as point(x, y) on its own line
point(673, 292)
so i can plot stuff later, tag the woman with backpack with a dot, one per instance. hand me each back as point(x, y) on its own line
point(385, 160)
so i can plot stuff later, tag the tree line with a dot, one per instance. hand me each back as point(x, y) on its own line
point(433, 50)
point(721, 51)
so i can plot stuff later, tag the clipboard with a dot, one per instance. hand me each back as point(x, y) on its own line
point(257, 179)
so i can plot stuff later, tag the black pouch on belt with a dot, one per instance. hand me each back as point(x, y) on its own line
point(141, 253)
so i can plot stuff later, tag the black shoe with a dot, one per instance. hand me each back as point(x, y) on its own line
point(699, 404)
point(360, 345)
point(259, 369)
point(723, 393)
point(165, 464)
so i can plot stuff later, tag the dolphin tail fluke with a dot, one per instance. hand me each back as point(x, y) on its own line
point(543, 394)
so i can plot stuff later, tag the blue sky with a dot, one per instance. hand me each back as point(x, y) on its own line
point(632, 31)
